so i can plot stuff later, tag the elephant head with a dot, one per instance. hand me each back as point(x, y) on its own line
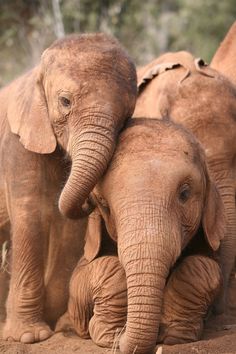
point(153, 199)
point(204, 102)
point(77, 97)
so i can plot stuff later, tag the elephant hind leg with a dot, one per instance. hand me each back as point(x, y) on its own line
point(190, 291)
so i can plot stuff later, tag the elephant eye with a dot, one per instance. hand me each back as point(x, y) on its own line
point(65, 101)
point(184, 192)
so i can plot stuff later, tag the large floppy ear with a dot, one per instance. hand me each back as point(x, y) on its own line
point(152, 72)
point(214, 219)
point(28, 113)
point(93, 236)
point(170, 61)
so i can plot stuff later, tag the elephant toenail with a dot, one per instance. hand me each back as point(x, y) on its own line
point(44, 334)
point(27, 338)
point(10, 339)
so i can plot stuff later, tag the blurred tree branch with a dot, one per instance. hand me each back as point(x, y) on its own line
point(146, 28)
point(58, 22)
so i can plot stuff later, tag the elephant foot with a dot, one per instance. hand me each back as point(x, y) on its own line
point(64, 324)
point(181, 333)
point(15, 330)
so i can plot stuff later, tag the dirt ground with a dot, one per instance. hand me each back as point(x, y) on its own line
point(219, 338)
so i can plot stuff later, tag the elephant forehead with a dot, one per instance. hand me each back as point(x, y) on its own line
point(90, 72)
point(155, 174)
point(159, 139)
point(169, 164)
point(74, 56)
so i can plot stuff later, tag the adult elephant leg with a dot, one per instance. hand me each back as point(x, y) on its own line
point(62, 257)
point(225, 184)
point(26, 294)
point(227, 252)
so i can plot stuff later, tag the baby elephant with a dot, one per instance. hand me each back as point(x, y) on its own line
point(98, 299)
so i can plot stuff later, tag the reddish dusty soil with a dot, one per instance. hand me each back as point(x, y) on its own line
point(219, 338)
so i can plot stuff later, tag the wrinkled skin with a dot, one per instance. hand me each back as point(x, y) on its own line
point(151, 202)
point(224, 61)
point(98, 300)
point(204, 102)
point(188, 295)
point(58, 124)
point(97, 305)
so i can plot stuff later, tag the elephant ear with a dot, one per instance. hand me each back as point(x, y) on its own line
point(170, 61)
point(28, 114)
point(93, 237)
point(214, 219)
point(154, 71)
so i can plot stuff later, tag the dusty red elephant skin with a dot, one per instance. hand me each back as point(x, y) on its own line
point(203, 101)
point(151, 201)
point(58, 128)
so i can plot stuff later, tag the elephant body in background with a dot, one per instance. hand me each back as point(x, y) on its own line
point(224, 59)
point(98, 299)
point(152, 200)
point(58, 128)
point(204, 102)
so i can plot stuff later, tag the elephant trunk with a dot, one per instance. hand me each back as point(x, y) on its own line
point(145, 292)
point(146, 259)
point(91, 150)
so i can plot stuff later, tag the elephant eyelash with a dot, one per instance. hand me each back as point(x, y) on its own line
point(184, 193)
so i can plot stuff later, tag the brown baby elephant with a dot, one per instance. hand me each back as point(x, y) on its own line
point(58, 129)
point(155, 198)
point(98, 299)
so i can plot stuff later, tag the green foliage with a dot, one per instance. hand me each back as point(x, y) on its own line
point(146, 28)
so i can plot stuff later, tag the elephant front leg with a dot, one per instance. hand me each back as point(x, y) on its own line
point(189, 293)
point(98, 300)
point(26, 294)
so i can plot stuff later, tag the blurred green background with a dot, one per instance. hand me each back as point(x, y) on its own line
point(146, 28)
